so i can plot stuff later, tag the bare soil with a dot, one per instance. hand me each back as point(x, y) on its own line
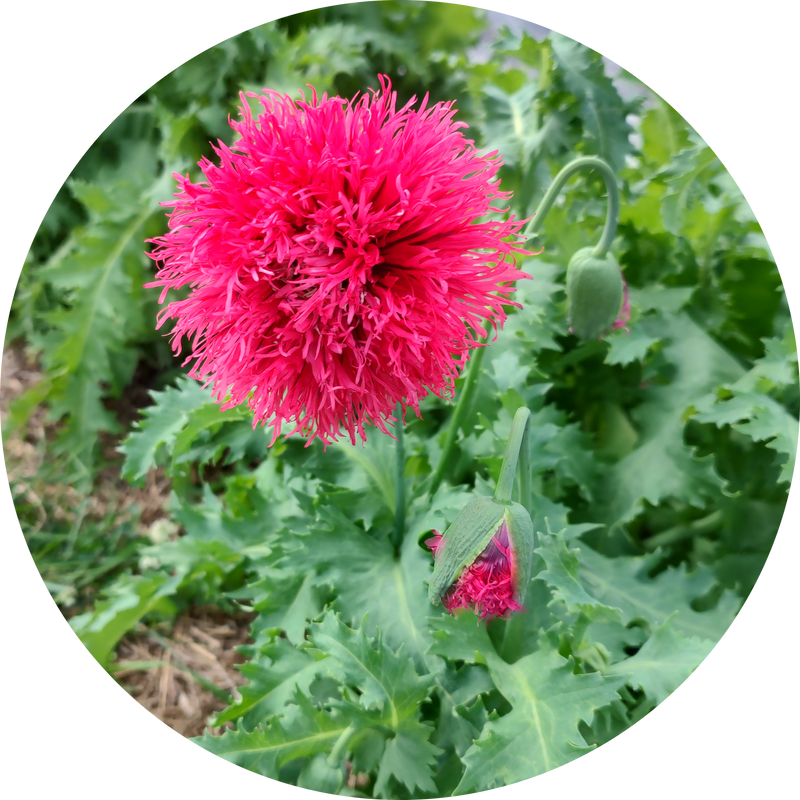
point(167, 674)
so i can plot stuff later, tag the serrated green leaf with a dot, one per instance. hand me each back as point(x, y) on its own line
point(300, 731)
point(461, 637)
point(541, 731)
point(562, 447)
point(508, 372)
point(386, 680)
point(161, 423)
point(562, 574)
point(602, 108)
point(664, 662)
point(459, 722)
point(285, 600)
point(665, 133)
point(745, 406)
point(534, 329)
point(770, 422)
point(615, 718)
point(97, 272)
point(367, 577)
point(628, 346)
point(510, 125)
point(375, 460)
point(239, 529)
point(129, 600)
point(682, 177)
point(778, 366)
point(409, 758)
point(662, 465)
point(667, 299)
point(619, 582)
point(275, 674)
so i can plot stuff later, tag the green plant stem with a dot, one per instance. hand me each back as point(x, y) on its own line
point(464, 400)
point(612, 213)
point(338, 749)
point(681, 532)
point(517, 450)
point(400, 483)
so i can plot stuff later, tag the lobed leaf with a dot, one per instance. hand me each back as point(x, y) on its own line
point(664, 662)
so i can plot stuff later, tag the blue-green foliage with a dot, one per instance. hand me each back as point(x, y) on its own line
point(661, 455)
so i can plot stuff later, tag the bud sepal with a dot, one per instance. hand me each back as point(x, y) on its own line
point(483, 560)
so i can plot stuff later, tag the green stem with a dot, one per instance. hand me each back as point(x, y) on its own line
point(517, 449)
point(681, 532)
point(464, 400)
point(338, 749)
point(612, 213)
point(400, 483)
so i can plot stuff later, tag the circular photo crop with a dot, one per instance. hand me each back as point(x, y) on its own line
point(400, 400)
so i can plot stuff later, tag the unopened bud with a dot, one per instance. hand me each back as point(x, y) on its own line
point(320, 776)
point(483, 560)
point(595, 293)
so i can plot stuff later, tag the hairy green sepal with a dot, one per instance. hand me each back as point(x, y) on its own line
point(523, 542)
point(594, 293)
point(468, 537)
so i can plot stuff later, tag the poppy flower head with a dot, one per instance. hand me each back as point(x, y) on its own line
point(487, 584)
point(335, 260)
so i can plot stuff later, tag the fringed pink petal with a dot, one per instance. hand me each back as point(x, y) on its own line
point(335, 262)
point(625, 312)
point(486, 585)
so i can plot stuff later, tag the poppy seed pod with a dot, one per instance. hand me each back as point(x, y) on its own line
point(483, 560)
point(595, 293)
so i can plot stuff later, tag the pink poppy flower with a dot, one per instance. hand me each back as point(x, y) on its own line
point(335, 262)
point(486, 585)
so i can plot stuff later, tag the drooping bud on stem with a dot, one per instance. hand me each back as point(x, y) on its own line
point(597, 298)
point(595, 293)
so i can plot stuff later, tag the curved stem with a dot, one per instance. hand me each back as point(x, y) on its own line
point(517, 449)
point(400, 483)
point(467, 391)
point(338, 749)
point(612, 213)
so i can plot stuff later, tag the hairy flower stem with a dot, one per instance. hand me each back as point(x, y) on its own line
point(612, 213)
point(400, 483)
point(467, 392)
point(518, 450)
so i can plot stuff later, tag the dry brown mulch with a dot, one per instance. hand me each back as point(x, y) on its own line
point(167, 672)
point(202, 642)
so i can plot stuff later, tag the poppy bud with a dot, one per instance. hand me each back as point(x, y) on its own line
point(595, 294)
point(483, 561)
point(320, 776)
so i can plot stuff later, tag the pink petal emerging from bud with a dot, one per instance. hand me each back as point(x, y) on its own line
point(485, 585)
point(625, 311)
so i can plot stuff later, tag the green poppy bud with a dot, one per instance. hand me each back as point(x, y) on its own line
point(595, 294)
point(483, 560)
point(320, 776)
